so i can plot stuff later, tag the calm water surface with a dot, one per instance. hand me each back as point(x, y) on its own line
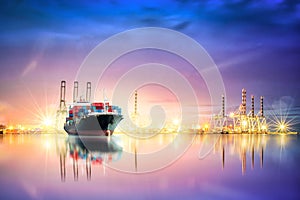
point(53, 166)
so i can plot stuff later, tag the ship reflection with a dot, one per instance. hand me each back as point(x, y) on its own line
point(83, 152)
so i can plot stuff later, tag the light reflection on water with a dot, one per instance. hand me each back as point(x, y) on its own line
point(214, 167)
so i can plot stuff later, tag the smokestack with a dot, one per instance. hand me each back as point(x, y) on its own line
point(262, 106)
point(75, 91)
point(62, 103)
point(135, 102)
point(223, 106)
point(244, 93)
point(252, 106)
point(88, 91)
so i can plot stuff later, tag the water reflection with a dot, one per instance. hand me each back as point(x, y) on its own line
point(84, 152)
point(230, 167)
point(87, 151)
point(142, 155)
point(241, 145)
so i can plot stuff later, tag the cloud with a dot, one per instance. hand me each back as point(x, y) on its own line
point(30, 67)
point(181, 25)
point(70, 18)
point(284, 103)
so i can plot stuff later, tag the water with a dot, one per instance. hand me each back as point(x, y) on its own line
point(166, 166)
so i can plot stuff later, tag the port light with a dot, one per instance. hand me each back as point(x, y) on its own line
point(48, 121)
point(282, 127)
point(176, 121)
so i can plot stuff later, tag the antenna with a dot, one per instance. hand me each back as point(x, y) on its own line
point(105, 99)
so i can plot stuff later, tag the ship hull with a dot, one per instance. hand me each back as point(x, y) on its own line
point(95, 125)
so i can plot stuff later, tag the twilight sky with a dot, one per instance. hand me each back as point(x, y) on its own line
point(255, 44)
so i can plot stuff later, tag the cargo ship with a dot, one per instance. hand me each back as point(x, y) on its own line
point(89, 118)
point(98, 118)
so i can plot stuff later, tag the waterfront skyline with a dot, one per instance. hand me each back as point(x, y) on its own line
point(255, 45)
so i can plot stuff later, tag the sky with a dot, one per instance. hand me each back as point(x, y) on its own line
point(254, 44)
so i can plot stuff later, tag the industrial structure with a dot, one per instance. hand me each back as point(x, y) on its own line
point(138, 120)
point(62, 111)
point(75, 91)
point(135, 103)
point(134, 115)
point(239, 121)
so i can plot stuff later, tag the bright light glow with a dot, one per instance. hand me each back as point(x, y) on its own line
point(281, 120)
point(47, 144)
point(244, 123)
point(205, 127)
point(282, 127)
point(244, 142)
point(264, 127)
point(176, 121)
point(45, 114)
point(48, 121)
point(231, 115)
